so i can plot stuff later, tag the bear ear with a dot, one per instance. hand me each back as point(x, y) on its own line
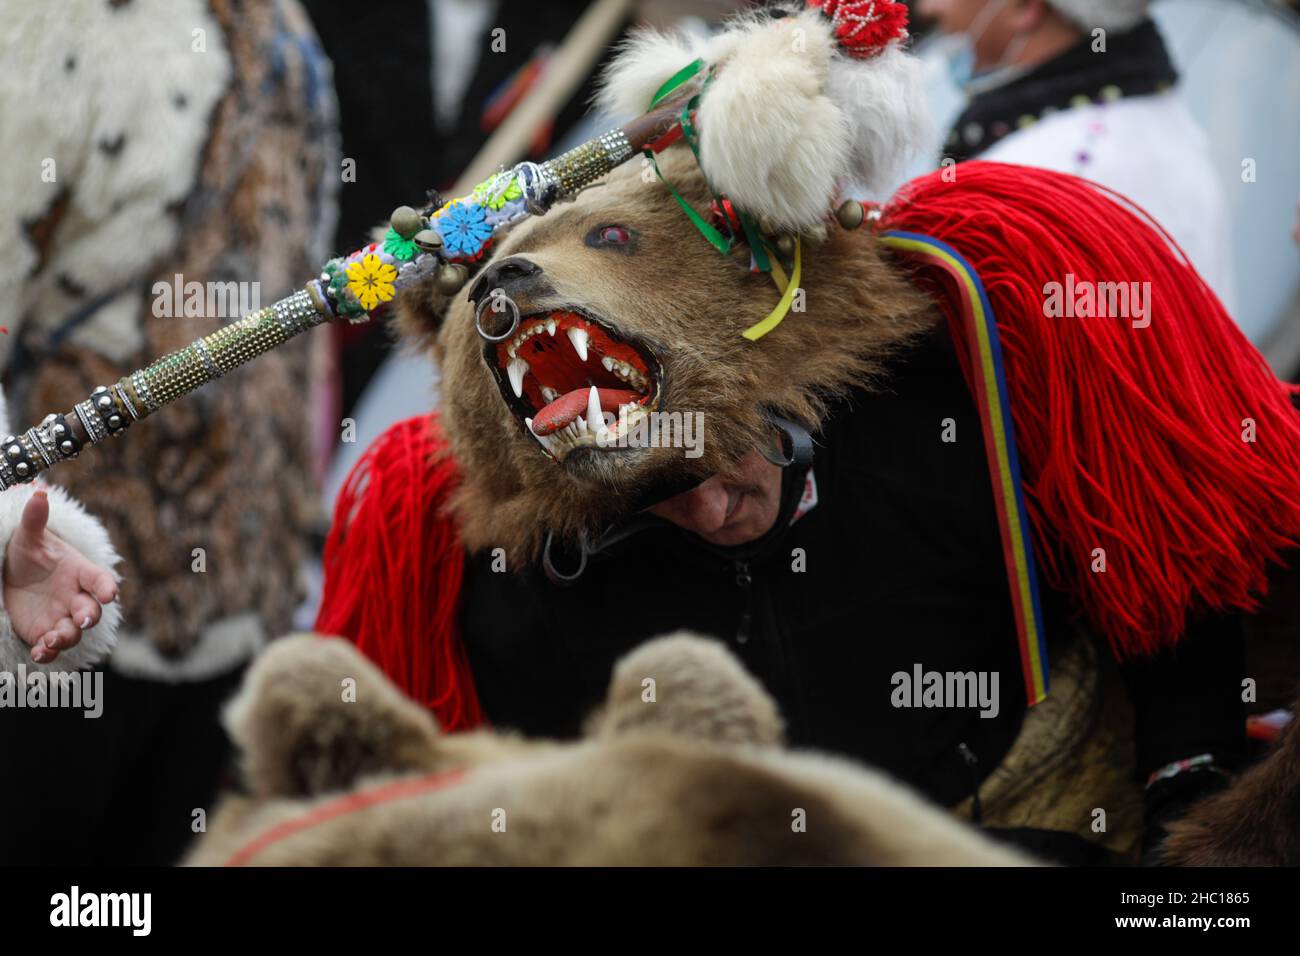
point(691, 687)
point(313, 715)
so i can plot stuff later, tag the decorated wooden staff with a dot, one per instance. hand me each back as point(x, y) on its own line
point(436, 242)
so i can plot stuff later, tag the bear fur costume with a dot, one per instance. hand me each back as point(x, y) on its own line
point(696, 776)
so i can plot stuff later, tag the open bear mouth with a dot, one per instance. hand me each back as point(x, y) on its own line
point(574, 381)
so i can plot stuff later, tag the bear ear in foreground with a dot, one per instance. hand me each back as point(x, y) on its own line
point(688, 774)
point(690, 687)
point(314, 715)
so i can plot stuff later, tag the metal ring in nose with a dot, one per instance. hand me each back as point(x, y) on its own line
point(487, 302)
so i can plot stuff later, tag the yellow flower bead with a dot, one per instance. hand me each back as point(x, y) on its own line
point(371, 281)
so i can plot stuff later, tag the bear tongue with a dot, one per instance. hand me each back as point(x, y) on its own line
point(566, 409)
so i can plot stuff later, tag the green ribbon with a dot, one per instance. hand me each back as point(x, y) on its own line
point(756, 243)
point(674, 81)
point(757, 246)
point(720, 242)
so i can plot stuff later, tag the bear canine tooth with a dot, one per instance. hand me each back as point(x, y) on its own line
point(578, 336)
point(517, 369)
point(595, 417)
point(542, 440)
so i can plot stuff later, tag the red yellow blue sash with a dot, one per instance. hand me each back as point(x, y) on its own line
point(990, 387)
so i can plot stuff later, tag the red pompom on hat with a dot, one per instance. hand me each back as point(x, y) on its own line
point(865, 27)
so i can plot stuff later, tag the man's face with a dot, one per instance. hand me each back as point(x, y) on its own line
point(731, 509)
point(990, 24)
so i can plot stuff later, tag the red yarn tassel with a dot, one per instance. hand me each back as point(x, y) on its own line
point(393, 570)
point(1132, 440)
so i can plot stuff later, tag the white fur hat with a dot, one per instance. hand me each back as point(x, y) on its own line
point(1107, 14)
point(797, 108)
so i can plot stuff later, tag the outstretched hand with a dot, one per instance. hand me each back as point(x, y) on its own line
point(52, 592)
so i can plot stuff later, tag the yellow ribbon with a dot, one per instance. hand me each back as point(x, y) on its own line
point(789, 288)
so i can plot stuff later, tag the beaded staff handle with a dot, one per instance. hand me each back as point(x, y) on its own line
point(436, 242)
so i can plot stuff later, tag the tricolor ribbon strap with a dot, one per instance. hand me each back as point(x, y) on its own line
point(991, 397)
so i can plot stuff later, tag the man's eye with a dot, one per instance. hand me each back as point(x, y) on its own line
point(615, 235)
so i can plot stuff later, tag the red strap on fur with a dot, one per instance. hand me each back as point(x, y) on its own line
point(341, 806)
point(393, 570)
point(1132, 439)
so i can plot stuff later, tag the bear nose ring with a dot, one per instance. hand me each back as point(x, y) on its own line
point(497, 302)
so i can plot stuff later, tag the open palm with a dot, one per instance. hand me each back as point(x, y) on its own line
point(52, 592)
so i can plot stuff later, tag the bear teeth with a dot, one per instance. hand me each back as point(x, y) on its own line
point(624, 372)
point(517, 342)
point(578, 336)
point(517, 369)
point(581, 433)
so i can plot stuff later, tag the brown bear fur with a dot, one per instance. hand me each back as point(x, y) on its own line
point(1074, 755)
point(694, 777)
point(1255, 822)
point(690, 304)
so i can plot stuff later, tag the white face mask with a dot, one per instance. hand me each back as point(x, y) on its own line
point(958, 50)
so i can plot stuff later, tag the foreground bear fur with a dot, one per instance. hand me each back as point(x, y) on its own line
point(697, 776)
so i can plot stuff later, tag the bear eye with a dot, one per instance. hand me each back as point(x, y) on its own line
point(612, 236)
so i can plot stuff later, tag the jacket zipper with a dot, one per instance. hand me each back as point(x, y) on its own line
point(744, 581)
point(770, 631)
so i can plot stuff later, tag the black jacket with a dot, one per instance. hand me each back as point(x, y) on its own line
point(904, 566)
